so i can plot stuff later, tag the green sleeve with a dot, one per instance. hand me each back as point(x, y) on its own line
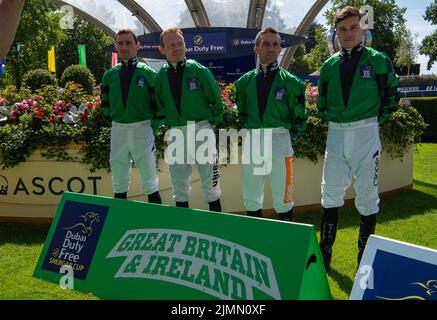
point(299, 116)
point(212, 92)
point(240, 101)
point(159, 116)
point(322, 89)
point(104, 96)
point(156, 121)
point(388, 88)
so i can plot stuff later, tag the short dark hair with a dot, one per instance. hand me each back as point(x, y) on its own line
point(265, 31)
point(167, 31)
point(346, 13)
point(127, 31)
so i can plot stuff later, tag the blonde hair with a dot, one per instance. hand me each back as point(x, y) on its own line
point(167, 31)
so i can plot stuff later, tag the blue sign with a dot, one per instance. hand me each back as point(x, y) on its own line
point(218, 43)
point(76, 237)
point(228, 52)
point(205, 43)
point(419, 90)
point(394, 270)
point(411, 279)
point(229, 70)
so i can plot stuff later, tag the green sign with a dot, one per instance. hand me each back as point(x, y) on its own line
point(82, 54)
point(118, 249)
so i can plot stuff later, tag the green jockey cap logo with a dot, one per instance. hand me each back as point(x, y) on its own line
point(215, 266)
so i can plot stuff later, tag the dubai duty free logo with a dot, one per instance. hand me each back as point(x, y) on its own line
point(75, 238)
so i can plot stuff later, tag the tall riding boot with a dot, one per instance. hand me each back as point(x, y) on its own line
point(215, 206)
point(154, 198)
point(257, 213)
point(367, 227)
point(286, 216)
point(182, 204)
point(122, 195)
point(328, 231)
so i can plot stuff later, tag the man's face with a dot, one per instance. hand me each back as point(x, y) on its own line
point(349, 32)
point(126, 47)
point(174, 47)
point(269, 48)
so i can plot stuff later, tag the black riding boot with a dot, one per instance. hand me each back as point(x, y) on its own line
point(286, 216)
point(328, 231)
point(154, 198)
point(122, 195)
point(215, 206)
point(367, 227)
point(257, 213)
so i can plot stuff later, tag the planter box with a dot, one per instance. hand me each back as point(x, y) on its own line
point(34, 187)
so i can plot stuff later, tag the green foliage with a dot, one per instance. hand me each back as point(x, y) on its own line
point(95, 40)
point(427, 107)
point(74, 93)
point(319, 53)
point(15, 144)
point(96, 135)
point(36, 79)
point(404, 128)
point(299, 64)
point(80, 75)
point(38, 31)
point(428, 80)
point(429, 43)
point(40, 123)
point(11, 94)
point(408, 49)
point(311, 144)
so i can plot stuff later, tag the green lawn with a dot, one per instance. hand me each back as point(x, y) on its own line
point(409, 216)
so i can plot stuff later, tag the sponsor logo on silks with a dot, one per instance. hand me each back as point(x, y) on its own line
point(211, 265)
point(192, 84)
point(4, 185)
point(140, 81)
point(288, 180)
point(366, 71)
point(75, 238)
point(280, 93)
point(429, 292)
point(375, 178)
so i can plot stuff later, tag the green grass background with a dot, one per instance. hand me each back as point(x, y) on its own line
point(409, 216)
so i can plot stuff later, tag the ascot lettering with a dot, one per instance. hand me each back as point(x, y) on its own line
point(56, 185)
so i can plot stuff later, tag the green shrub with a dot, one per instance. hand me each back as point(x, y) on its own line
point(418, 80)
point(427, 107)
point(404, 128)
point(80, 75)
point(36, 79)
point(11, 95)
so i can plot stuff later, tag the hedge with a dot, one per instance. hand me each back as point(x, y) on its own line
point(427, 107)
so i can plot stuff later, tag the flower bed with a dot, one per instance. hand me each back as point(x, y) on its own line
point(54, 117)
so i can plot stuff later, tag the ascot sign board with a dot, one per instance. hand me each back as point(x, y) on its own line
point(122, 249)
point(394, 270)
